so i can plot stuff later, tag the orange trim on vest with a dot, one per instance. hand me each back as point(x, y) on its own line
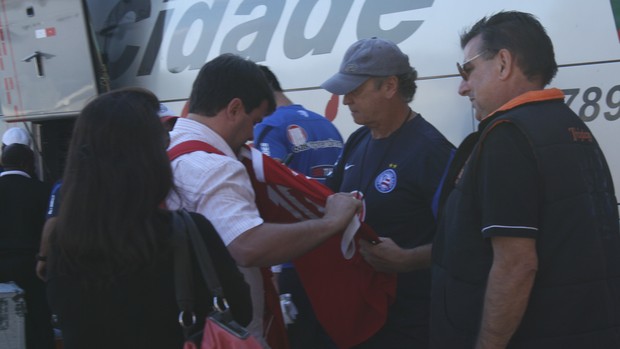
point(529, 97)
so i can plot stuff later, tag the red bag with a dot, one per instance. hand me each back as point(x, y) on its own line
point(222, 334)
point(220, 330)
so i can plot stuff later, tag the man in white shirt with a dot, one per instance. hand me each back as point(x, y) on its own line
point(229, 96)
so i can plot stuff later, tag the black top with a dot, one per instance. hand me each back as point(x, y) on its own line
point(536, 172)
point(140, 310)
point(508, 185)
point(23, 202)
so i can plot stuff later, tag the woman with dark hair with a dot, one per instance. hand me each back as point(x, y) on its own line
point(110, 273)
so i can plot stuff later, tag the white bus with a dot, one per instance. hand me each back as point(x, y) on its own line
point(55, 55)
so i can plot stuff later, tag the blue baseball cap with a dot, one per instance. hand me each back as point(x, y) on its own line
point(367, 58)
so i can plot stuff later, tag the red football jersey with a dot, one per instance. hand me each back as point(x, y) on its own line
point(349, 297)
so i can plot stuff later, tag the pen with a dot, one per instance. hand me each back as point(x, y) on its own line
point(287, 159)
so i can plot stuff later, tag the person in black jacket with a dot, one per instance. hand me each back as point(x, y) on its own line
point(23, 200)
point(527, 251)
point(110, 268)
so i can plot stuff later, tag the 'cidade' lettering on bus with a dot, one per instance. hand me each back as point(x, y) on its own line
point(126, 17)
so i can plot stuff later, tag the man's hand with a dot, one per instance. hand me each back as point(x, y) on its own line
point(515, 263)
point(41, 269)
point(262, 245)
point(387, 256)
point(340, 208)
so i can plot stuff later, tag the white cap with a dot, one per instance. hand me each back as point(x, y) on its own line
point(16, 135)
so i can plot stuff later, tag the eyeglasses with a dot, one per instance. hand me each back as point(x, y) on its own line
point(463, 69)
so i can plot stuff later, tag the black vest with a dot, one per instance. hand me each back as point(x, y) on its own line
point(575, 300)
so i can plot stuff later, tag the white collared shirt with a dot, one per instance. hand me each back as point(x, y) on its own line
point(218, 187)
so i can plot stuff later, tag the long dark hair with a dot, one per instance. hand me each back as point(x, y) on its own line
point(116, 176)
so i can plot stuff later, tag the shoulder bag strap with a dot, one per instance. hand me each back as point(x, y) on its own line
point(191, 146)
point(183, 277)
point(204, 260)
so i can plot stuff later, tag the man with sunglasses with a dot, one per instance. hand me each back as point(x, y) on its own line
point(527, 252)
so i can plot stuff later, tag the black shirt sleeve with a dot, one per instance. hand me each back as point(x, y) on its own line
point(509, 184)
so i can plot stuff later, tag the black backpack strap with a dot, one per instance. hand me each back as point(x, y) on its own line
point(183, 275)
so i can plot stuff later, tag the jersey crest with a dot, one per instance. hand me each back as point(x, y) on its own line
point(296, 135)
point(386, 181)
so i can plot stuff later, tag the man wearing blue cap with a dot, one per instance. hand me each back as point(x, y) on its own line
point(395, 162)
